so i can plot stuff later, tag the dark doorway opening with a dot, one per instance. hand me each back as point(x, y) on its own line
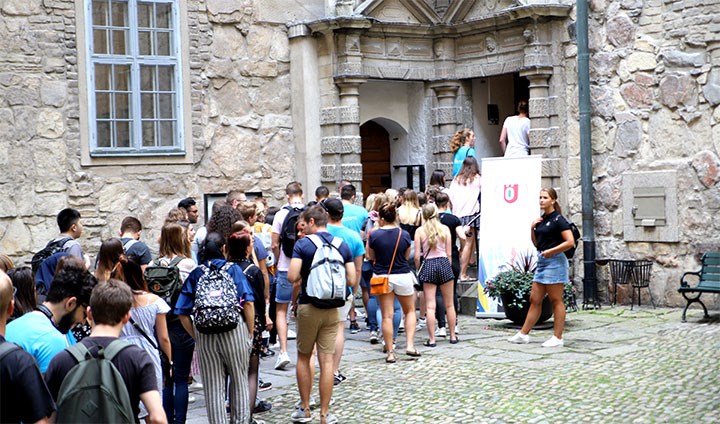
point(375, 158)
point(521, 87)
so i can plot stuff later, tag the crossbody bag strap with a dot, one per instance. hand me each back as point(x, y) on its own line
point(395, 251)
point(144, 334)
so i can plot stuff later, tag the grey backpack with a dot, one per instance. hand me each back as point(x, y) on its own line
point(216, 309)
point(94, 391)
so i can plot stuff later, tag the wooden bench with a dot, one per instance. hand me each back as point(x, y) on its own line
point(709, 281)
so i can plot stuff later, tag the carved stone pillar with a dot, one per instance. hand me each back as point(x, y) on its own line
point(446, 118)
point(544, 137)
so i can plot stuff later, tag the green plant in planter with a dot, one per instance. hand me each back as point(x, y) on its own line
point(516, 280)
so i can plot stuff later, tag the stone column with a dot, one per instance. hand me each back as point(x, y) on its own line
point(305, 89)
point(349, 145)
point(446, 119)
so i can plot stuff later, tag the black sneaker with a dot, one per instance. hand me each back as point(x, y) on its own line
point(267, 353)
point(339, 378)
point(354, 327)
point(261, 407)
point(264, 385)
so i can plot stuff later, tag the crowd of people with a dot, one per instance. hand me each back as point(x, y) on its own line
point(217, 299)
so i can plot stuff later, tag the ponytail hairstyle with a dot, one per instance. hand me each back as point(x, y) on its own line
point(458, 140)
point(111, 250)
point(388, 213)
point(553, 195)
point(432, 226)
point(212, 247)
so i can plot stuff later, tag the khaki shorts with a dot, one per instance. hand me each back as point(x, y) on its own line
point(315, 325)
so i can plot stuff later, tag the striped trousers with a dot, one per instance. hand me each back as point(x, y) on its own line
point(222, 355)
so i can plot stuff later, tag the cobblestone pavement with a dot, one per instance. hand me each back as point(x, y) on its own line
point(617, 366)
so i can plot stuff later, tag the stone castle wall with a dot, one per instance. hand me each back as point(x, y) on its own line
point(241, 124)
point(655, 89)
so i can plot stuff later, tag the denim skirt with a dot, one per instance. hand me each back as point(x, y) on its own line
point(553, 270)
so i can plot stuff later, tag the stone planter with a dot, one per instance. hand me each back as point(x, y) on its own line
point(517, 315)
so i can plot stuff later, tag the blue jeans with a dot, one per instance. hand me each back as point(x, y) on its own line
point(175, 395)
point(372, 306)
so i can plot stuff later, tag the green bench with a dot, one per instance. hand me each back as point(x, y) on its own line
point(709, 281)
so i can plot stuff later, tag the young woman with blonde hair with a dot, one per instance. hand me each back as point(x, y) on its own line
point(433, 243)
point(461, 146)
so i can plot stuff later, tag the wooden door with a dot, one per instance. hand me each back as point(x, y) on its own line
point(375, 158)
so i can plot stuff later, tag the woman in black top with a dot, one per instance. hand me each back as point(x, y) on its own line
point(552, 236)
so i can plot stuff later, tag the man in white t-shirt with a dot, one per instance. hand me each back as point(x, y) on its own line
point(283, 288)
point(515, 135)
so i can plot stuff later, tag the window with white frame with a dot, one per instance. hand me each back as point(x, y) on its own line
point(134, 77)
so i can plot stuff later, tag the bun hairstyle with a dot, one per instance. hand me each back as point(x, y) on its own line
point(553, 195)
point(388, 212)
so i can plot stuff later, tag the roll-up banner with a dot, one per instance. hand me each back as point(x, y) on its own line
point(510, 193)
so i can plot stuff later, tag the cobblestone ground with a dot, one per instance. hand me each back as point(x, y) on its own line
point(618, 366)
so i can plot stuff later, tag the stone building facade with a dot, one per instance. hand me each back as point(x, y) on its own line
point(267, 91)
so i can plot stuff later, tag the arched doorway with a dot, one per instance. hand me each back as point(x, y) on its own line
point(375, 157)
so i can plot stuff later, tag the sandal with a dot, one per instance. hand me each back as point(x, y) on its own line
point(413, 353)
point(391, 357)
point(454, 341)
point(428, 344)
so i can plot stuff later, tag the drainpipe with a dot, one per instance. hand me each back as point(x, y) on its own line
point(590, 292)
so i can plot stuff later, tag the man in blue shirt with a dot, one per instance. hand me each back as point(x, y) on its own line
point(354, 216)
point(42, 332)
point(335, 209)
point(316, 325)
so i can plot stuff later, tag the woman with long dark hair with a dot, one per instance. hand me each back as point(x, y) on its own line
point(148, 321)
point(111, 250)
point(465, 198)
point(388, 246)
point(551, 235)
point(25, 298)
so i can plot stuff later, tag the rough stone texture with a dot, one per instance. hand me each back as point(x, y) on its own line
point(637, 96)
point(707, 166)
point(677, 90)
point(711, 91)
point(674, 58)
point(627, 138)
point(620, 31)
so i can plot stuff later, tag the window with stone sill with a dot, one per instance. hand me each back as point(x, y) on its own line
point(134, 75)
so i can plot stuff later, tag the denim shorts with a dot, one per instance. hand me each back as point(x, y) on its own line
point(283, 288)
point(553, 270)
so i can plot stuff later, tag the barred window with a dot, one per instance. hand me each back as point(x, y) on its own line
point(134, 78)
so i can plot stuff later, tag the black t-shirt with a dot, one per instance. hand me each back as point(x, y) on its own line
point(548, 233)
point(452, 222)
point(138, 249)
point(383, 241)
point(257, 283)
point(23, 393)
point(133, 363)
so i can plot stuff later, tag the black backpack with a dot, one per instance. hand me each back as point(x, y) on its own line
point(163, 279)
point(93, 391)
point(50, 249)
point(576, 236)
point(216, 308)
point(288, 233)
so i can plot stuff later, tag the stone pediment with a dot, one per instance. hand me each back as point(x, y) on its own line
point(400, 11)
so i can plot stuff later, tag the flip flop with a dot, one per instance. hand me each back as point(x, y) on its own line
point(391, 358)
point(413, 353)
point(454, 341)
point(428, 344)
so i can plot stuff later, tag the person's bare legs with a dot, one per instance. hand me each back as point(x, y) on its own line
point(281, 324)
point(429, 290)
point(339, 346)
point(408, 306)
point(386, 310)
point(448, 291)
point(304, 374)
point(537, 294)
point(467, 251)
point(555, 293)
point(326, 382)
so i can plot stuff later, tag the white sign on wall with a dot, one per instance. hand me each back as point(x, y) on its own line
point(510, 193)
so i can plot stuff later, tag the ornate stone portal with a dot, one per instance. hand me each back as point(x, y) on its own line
point(443, 44)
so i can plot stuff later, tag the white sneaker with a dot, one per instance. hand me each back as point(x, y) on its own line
point(457, 329)
point(191, 399)
point(421, 323)
point(520, 338)
point(441, 332)
point(195, 387)
point(312, 404)
point(553, 342)
point(292, 335)
point(282, 361)
point(299, 416)
point(373, 337)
